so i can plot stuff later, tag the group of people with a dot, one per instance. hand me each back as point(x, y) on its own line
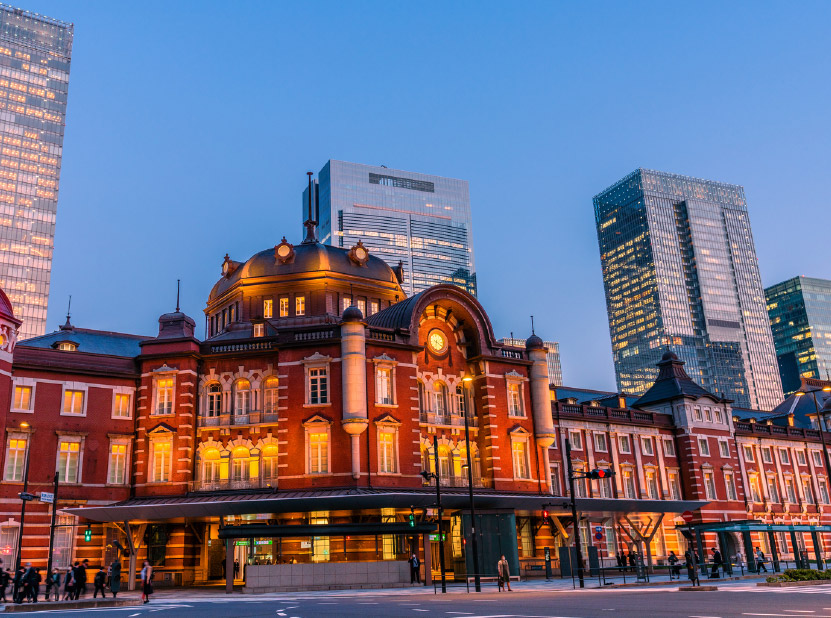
point(629, 560)
point(68, 584)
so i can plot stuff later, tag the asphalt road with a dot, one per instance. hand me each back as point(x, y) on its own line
point(740, 601)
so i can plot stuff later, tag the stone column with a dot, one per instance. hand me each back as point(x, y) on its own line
point(541, 402)
point(353, 368)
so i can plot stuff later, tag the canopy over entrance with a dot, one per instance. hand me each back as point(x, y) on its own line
point(233, 503)
point(752, 525)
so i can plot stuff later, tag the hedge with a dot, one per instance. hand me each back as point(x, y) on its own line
point(799, 575)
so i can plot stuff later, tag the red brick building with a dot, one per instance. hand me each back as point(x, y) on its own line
point(297, 432)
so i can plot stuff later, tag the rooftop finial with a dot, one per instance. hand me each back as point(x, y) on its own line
point(311, 224)
point(178, 281)
point(532, 325)
point(68, 324)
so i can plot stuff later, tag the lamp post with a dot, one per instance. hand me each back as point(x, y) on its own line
point(578, 550)
point(24, 496)
point(813, 391)
point(468, 379)
point(435, 475)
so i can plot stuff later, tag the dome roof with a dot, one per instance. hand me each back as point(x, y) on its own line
point(534, 343)
point(352, 314)
point(6, 309)
point(307, 257)
point(669, 356)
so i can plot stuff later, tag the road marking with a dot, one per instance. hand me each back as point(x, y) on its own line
point(459, 613)
point(415, 609)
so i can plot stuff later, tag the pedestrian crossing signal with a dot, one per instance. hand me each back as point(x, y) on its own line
point(88, 534)
point(601, 474)
point(412, 520)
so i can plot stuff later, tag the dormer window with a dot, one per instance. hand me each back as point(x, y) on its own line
point(259, 330)
point(66, 346)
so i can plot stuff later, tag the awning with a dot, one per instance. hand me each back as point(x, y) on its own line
point(752, 525)
point(239, 503)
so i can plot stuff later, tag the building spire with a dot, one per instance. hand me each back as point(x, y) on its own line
point(311, 223)
point(532, 326)
point(178, 281)
point(68, 324)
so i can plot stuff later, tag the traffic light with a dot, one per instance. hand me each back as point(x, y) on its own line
point(88, 533)
point(411, 519)
point(601, 474)
point(545, 514)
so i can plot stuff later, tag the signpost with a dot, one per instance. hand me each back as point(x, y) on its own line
point(687, 516)
point(47, 496)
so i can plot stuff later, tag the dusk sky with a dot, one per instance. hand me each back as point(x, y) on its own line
point(190, 127)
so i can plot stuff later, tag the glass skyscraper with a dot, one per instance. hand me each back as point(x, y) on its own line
point(680, 272)
point(420, 220)
point(800, 318)
point(552, 357)
point(34, 79)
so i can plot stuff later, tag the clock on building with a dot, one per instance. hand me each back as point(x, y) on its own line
point(437, 341)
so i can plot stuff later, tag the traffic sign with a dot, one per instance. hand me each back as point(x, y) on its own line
point(598, 529)
point(687, 516)
point(598, 536)
point(26, 496)
point(47, 496)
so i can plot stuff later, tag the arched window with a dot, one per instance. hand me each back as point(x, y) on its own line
point(460, 400)
point(240, 464)
point(270, 397)
point(445, 471)
point(214, 400)
point(422, 397)
point(440, 394)
point(242, 394)
point(211, 465)
point(269, 455)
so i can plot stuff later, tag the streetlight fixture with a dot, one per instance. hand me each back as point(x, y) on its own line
point(467, 379)
point(24, 496)
point(435, 475)
point(814, 391)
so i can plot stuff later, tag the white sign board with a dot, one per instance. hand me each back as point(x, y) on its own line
point(46, 496)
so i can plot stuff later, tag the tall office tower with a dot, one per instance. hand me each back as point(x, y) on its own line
point(552, 357)
point(800, 318)
point(34, 79)
point(420, 220)
point(680, 272)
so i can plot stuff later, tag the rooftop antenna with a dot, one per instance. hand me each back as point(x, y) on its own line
point(311, 232)
point(68, 324)
point(177, 294)
point(532, 326)
point(351, 296)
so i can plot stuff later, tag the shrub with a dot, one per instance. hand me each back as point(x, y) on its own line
point(801, 575)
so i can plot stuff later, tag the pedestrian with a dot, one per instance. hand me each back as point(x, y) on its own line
point(739, 558)
point(69, 584)
point(632, 560)
point(673, 562)
point(115, 577)
point(99, 581)
point(81, 579)
point(717, 561)
point(146, 582)
point(56, 584)
point(236, 569)
point(504, 573)
point(49, 583)
point(692, 567)
point(415, 575)
point(760, 560)
point(5, 578)
point(36, 579)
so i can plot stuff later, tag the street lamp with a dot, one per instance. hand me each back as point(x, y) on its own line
point(466, 380)
point(24, 496)
point(813, 391)
point(435, 475)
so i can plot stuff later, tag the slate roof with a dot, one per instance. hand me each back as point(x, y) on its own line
point(672, 383)
point(583, 395)
point(90, 341)
point(397, 315)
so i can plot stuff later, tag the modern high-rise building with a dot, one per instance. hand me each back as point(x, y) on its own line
point(680, 272)
point(35, 54)
point(552, 357)
point(419, 220)
point(800, 318)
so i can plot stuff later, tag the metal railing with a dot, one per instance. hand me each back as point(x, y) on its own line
point(227, 420)
point(456, 481)
point(232, 484)
point(452, 420)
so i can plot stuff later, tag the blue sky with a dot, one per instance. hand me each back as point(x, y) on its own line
point(190, 128)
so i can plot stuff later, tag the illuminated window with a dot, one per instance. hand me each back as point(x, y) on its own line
point(383, 386)
point(514, 399)
point(319, 453)
point(161, 459)
point(22, 398)
point(271, 395)
point(240, 464)
point(361, 304)
point(730, 485)
point(386, 452)
point(652, 486)
point(69, 457)
point(214, 400)
point(268, 308)
point(628, 484)
point(121, 405)
point(164, 396)
point(300, 305)
point(15, 459)
point(519, 449)
point(346, 302)
point(117, 471)
point(755, 492)
point(284, 306)
point(269, 459)
point(373, 307)
point(674, 485)
point(67, 346)
point(242, 396)
point(73, 402)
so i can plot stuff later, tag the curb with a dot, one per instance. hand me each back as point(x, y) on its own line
point(812, 582)
point(698, 589)
point(12, 608)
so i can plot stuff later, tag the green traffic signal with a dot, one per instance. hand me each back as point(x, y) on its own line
point(88, 534)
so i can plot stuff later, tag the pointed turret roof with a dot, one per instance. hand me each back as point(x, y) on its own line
point(672, 383)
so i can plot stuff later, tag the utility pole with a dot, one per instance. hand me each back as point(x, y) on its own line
point(577, 549)
point(52, 526)
point(473, 540)
point(438, 505)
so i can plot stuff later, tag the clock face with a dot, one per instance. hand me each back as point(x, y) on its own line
point(360, 253)
point(283, 250)
point(437, 341)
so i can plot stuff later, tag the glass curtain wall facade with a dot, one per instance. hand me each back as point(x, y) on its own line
point(420, 220)
point(680, 271)
point(552, 357)
point(34, 79)
point(800, 318)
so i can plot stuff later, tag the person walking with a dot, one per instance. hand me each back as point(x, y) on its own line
point(415, 575)
point(760, 560)
point(146, 582)
point(5, 577)
point(98, 582)
point(69, 584)
point(717, 562)
point(115, 577)
point(36, 578)
point(692, 567)
point(673, 562)
point(81, 579)
point(56, 585)
point(503, 571)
